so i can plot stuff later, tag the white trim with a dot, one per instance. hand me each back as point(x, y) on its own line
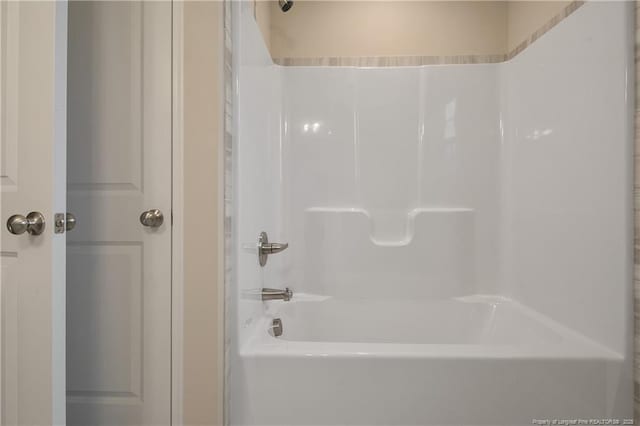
point(177, 217)
point(59, 242)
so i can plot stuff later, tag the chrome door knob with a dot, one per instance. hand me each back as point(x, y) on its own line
point(33, 224)
point(152, 218)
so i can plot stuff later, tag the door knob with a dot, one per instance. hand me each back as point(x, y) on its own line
point(152, 218)
point(33, 224)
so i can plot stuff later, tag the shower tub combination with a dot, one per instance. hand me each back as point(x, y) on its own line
point(458, 235)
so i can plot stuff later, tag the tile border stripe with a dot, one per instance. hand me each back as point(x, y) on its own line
point(405, 61)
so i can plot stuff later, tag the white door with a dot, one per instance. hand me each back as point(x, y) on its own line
point(32, 178)
point(119, 165)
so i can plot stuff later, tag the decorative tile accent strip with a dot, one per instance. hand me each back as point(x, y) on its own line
point(572, 7)
point(388, 61)
point(228, 195)
point(636, 228)
point(406, 61)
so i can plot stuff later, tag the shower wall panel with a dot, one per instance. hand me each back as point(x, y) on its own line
point(568, 173)
point(385, 161)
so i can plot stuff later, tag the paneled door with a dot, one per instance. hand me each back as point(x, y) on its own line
point(119, 167)
point(33, 186)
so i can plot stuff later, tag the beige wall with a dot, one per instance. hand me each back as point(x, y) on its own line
point(525, 17)
point(397, 28)
point(202, 350)
point(262, 10)
point(388, 28)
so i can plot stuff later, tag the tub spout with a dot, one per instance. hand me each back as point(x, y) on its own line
point(275, 294)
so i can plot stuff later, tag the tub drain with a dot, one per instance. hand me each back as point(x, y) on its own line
point(276, 326)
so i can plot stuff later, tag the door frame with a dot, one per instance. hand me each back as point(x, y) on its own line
point(178, 303)
point(177, 213)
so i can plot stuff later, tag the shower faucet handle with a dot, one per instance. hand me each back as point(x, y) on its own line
point(265, 248)
point(273, 248)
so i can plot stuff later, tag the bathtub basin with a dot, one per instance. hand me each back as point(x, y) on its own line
point(468, 361)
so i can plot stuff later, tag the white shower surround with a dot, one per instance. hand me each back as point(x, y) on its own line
point(460, 235)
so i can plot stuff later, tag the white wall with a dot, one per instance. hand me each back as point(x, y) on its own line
point(367, 167)
point(257, 187)
point(367, 150)
point(568, 154)
point(439, 181)
point(392, 180)
point(257, 164)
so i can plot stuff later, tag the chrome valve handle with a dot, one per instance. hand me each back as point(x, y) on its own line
point(265, 248)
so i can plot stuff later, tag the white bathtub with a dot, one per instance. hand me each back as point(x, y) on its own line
point(466, 361)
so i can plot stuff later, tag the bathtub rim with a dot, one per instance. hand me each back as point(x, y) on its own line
point(574, 346)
